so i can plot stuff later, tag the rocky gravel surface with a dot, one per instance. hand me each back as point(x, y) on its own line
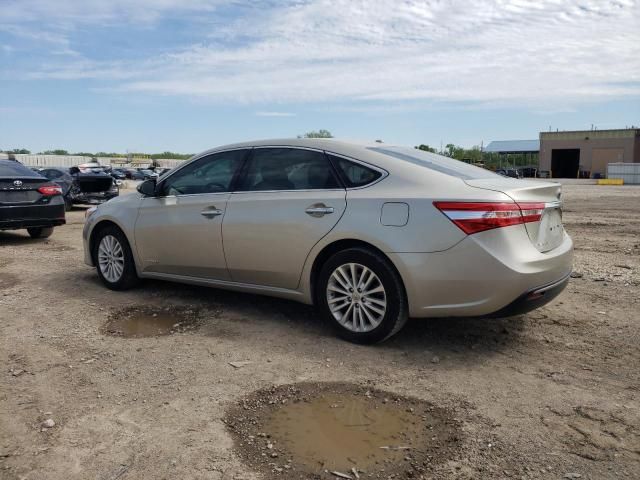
point(551, 394)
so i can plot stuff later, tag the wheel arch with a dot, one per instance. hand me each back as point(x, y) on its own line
point(98, 227)
point(335, 247)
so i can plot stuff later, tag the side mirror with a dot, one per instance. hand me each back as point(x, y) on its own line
point(74, 170)
point(148, 188)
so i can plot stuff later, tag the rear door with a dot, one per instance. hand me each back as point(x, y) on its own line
point(287, 199)
point(179, 231)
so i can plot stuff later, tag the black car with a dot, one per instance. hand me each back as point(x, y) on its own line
point(508, 172)
point(118, 174)
point(133, 174)
point(88, 187)
point(148, 173)
point(29, 200)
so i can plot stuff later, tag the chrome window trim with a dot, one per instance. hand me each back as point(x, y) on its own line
point(384, 173)
point(294, 147)
point(195, 159)
point(289, 191)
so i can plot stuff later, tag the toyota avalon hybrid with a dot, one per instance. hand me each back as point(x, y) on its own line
point(370, 234)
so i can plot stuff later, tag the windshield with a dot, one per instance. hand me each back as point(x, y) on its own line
point(439, 163)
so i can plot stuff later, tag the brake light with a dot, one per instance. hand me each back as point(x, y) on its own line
point(474, 217)
point(49, 190)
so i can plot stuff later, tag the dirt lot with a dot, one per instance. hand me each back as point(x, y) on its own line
point(551, 394)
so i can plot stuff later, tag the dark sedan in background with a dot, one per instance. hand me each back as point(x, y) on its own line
point(82, 187)
point(29, 200)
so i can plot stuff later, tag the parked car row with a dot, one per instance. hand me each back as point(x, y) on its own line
point(130, 173)
point(82, 186)
point(521, 172)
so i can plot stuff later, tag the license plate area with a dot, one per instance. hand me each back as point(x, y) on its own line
point(550, 230)
point(18, 197)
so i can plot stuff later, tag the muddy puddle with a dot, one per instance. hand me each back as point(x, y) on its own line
point(341, 430)
point(137, 322)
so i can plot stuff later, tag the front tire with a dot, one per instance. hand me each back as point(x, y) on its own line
point(114, 260)
point(362, 296)
point(40, 232)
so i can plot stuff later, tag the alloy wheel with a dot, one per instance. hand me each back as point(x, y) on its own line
point(111, 258)
point(356, 297)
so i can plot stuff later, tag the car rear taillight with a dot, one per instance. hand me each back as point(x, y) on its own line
point(50, 190)
point(474, 217)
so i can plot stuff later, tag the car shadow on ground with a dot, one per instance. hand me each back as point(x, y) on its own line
point(276, 323)
point(283, 321)
point(18, 237)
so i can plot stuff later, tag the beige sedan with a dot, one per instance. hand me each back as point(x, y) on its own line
point(370, 234)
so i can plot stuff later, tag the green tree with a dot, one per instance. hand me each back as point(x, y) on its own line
point(322, 133)
point(426, 148)
point(179, 156)
point(55, 152)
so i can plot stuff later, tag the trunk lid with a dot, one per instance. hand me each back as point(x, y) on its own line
point(545, 234)
point(20, 190)
point(94, 182)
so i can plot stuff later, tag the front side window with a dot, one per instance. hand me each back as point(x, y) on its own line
point(355, 174)
point(288, 169)
point(211, 174)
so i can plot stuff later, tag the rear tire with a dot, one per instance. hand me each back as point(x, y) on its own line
point(362, 296)
point(114, 260)
point(68, 204)
point(40, 232)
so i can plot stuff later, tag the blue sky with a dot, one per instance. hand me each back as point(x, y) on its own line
point(186, 75)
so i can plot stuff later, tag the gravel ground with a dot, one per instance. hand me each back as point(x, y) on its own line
point(551, 394)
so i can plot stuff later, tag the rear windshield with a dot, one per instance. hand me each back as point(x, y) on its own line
point(439, 163)
point(9, 168)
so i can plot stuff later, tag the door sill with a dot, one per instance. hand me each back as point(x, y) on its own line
point(229, 285)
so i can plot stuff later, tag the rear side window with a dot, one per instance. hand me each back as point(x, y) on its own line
point(9, 168)
point(355, 174)
point(432, 161)
point(287, 169)
point(52, 174)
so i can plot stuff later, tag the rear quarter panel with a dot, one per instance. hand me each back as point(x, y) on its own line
point(427, 229)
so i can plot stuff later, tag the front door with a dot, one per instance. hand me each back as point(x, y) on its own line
point(179, 231)
point(286, 200)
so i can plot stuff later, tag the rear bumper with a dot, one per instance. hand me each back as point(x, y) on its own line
point(533, 299)
point(486, 274)
point(28, 216)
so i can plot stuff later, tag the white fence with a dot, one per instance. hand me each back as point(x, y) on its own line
point(72, 160)
point(628, 172)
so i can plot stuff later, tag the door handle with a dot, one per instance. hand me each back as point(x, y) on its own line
point(211, 212)
point(318, 210)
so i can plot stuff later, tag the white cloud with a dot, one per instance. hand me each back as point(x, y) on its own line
point(275, 114)
point(73, 12)
point(546, 53)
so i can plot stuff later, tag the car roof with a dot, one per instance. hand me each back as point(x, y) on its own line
point(397, 159)
point(329, 144)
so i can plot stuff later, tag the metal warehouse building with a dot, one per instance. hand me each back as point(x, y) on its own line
point(586, 154)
